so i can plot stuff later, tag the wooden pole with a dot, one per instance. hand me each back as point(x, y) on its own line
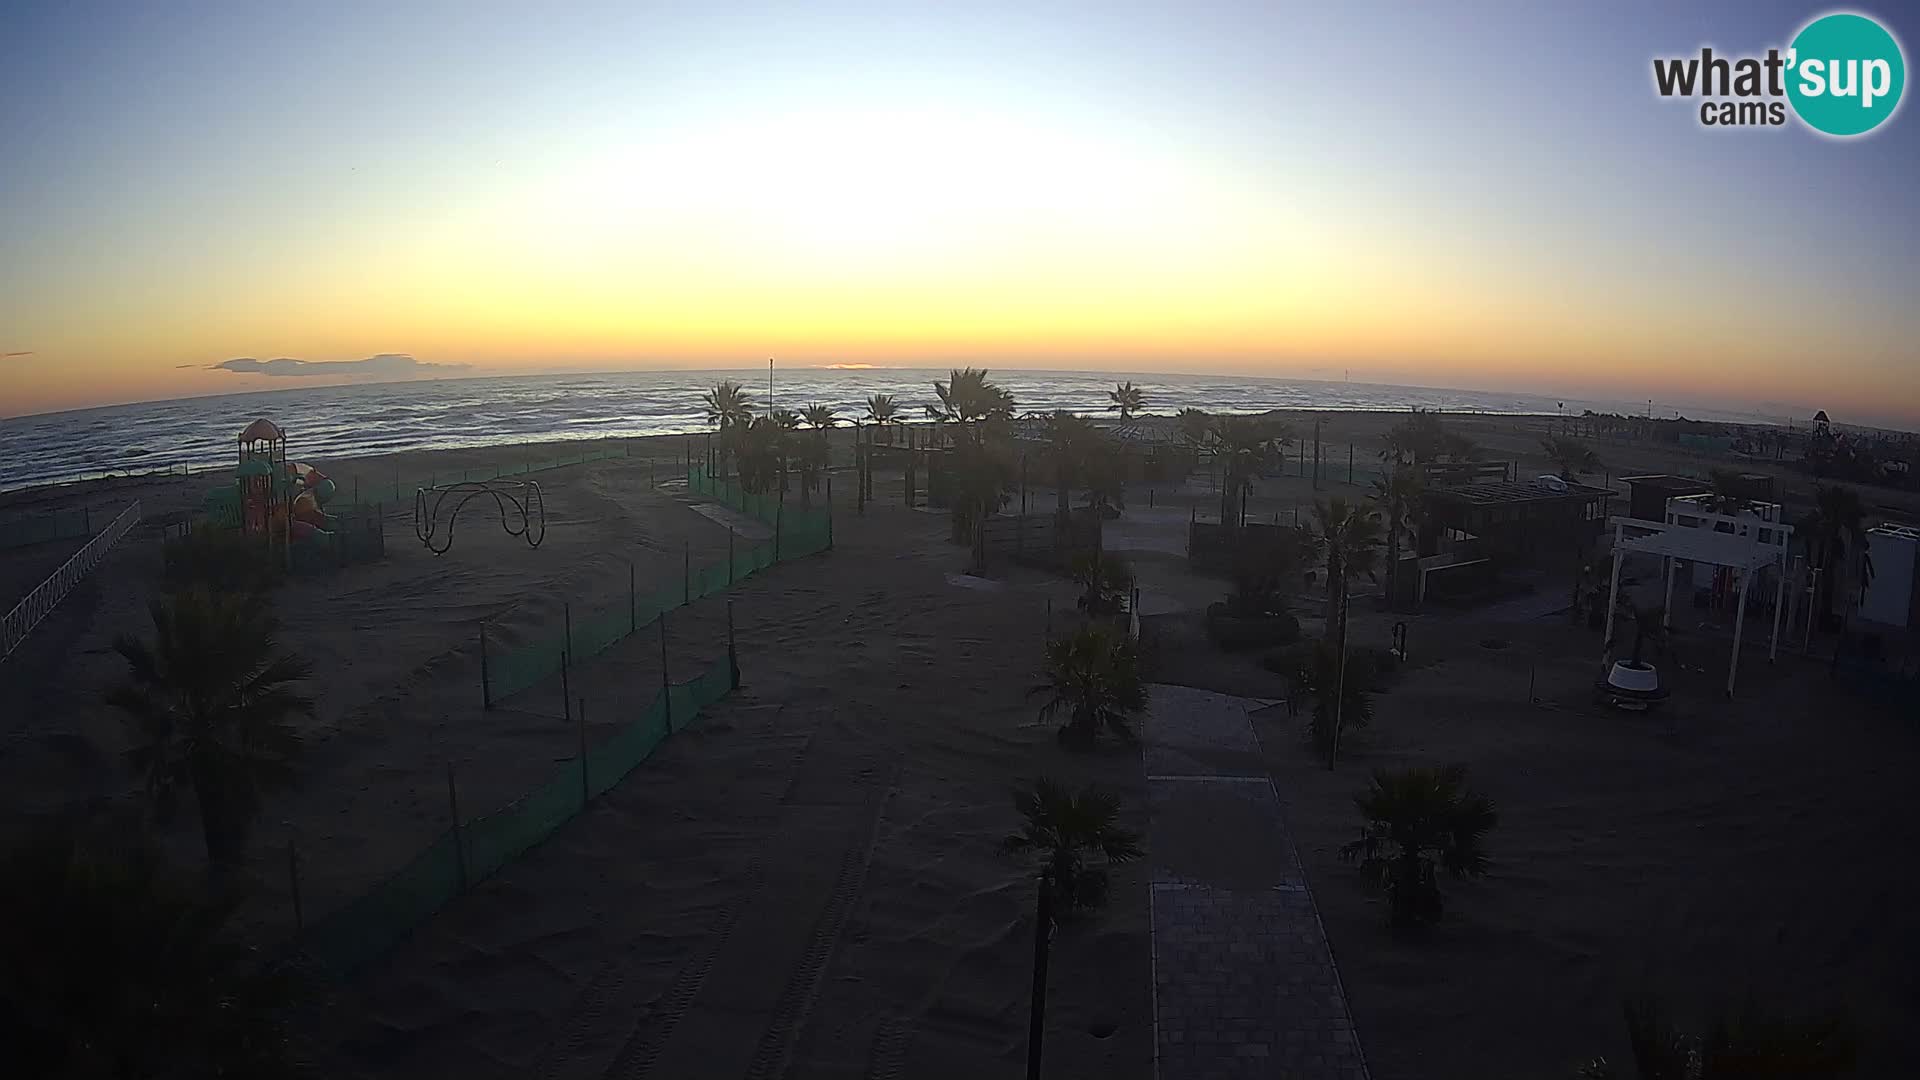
point(686, 571)
point(666, 684)
point(1349, 463)
point(566, 689)
point(633, 600)
point(459, 834)
point(829, 511)
point(566, 619)
point(733, 648)
point(1037, 1015)
point(1739, 624)
point(486, 684)
point(729, 556)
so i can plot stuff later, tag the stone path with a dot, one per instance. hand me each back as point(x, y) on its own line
point(1244, 983)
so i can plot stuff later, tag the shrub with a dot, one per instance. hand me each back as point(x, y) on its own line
point(220, 560)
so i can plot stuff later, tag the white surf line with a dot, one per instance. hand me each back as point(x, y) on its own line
point(1207, 779)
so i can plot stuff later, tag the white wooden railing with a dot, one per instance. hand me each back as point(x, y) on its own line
point(35, 605)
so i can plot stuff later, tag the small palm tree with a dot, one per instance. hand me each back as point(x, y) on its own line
point(1193, 426)
point(1349, 537)
point(1107, 579)
point(1420, 821)
point(1248, 444)
point(1399, 494)
point(1063, 828)
point(787, 419)
point(1093, 675)
point(110, 968)
point(882, 410)
point(762, 448)
point(1571, 456)
point(210, 703)
point(1070, 441)
point(819, 417)
point(1127, 399)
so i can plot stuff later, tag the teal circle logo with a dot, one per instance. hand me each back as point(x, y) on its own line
point(1845, 73)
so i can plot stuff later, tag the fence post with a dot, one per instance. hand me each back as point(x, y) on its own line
point(293, 881)
point(686, 571)
point(829, 512)
point(1349, 463)
point(582, 725)
point(566, 618)
point(733, 649)
point(566, 688)
point(666, 684)
point(459, 833)
point(779, 514)
point(1049, 618)
point(486, 684)
point(729, 556)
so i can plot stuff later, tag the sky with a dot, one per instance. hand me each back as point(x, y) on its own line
point(1464, 195)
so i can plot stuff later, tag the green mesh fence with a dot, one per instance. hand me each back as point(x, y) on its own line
point(41, 528)
point(801, 532)
point(459, 859)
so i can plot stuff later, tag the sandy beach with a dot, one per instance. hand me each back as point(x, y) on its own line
point(806, 883)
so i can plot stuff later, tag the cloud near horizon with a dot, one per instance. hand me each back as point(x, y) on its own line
point(24, 352)
point(384, 364)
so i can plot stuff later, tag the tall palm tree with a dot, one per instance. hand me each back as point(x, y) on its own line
point(1418, 822)
point(1571, 456)
point(1342, 696)
point(1247, 444)
point(1071, 441)
point(967, 398)
point(1093, 675)
point(813, 455)
point(1836, 537)
point(763, 447)
point(1349, 537)
point(983, 473)
point(1398, 495)
point(1127, 399)
point(882, 410)
point(1064, 827)
point(110, 968)
point(729, 409)
point(819, 417)
point(210, 703)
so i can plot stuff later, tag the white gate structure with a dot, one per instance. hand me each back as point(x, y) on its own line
point(45, 596)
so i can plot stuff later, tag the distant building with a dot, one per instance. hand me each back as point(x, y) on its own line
point(1514, 521)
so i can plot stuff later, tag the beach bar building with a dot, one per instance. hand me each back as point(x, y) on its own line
point(1514, 522)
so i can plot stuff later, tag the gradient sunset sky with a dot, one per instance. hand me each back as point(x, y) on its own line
point(1486, 195)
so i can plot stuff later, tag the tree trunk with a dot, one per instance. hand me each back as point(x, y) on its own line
point(223, 816)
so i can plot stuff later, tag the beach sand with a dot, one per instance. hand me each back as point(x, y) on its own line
point(806, 882)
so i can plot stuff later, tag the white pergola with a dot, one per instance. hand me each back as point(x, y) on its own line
point(1742, 548)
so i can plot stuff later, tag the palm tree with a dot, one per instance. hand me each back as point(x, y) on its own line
point(1399, 495)
point(967, 398)
point(1350, 539)
point(1063, 828)
point(1127, 398)
point(1193, 426)
point(1420, 821)
point(1571, 456)
point(1070, 441)
point(1107, 579)
point(787, 419)
point(209, 703)
point(882, 410)
point(983, 474)
point(110, 968)
point(728, 407)
point(1247, 444)
point(1834, 532)
point(1093, 675)
point(813, 455)
point(763, 446)
point(820, 418)
point(1342, 697)
point(1649, 628)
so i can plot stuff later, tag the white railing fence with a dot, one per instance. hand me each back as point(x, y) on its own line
point(35, 605)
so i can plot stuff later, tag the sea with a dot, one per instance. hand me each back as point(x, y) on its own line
point(334, 422)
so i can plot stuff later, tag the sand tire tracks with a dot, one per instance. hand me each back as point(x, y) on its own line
point(775, 1052)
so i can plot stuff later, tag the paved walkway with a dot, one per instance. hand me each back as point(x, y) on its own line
point(1244, 984)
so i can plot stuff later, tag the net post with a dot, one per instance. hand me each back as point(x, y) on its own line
point(729, 556)
point(686, 572)
point(829, 511)
point(666, 684)
point(486, 683)
point(581, 724)
point(459, 835)
point(566, 688)
point(566, 620)
point(633, 601)
point(733, 649)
